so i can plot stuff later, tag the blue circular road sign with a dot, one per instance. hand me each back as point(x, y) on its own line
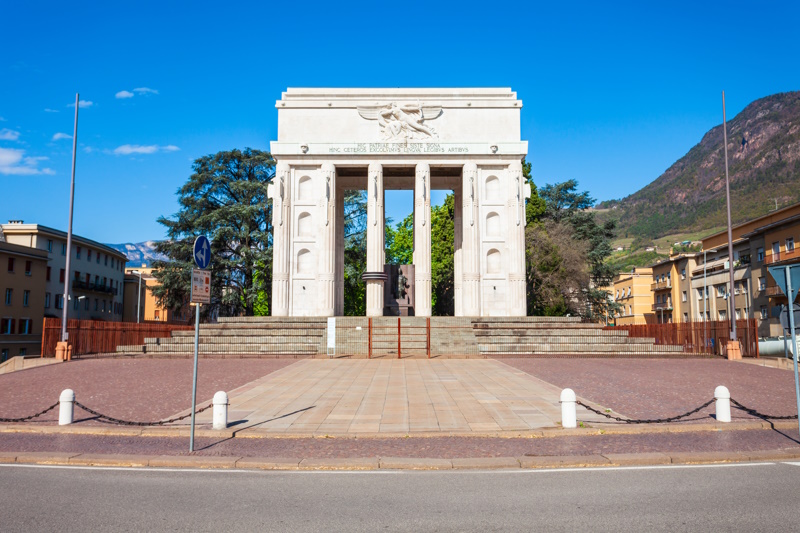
point(202, 252)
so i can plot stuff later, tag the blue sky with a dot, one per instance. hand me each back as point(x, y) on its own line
point(613, 93)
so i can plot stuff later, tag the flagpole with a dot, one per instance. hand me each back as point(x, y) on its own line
point(732, 309)
point(67, 277)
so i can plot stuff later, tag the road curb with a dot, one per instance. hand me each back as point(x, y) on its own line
point(393, 463)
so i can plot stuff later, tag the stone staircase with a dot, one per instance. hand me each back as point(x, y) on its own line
point(450, 337)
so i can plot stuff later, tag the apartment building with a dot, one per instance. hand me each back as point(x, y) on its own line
point(672, 288)
point(631, 290)
point(95, 280)
point(22, 285)
point(146, 302)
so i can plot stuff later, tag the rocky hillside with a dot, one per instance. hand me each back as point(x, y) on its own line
point(138, 253)
point(763, 162)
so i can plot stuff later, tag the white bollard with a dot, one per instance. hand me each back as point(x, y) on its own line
point(66, 407)
point(220, 418)
point(569, 417)
point(723, 404)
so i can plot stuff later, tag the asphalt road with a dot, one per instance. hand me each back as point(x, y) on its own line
point(755, 497)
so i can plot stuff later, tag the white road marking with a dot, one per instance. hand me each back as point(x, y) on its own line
point(392, 472)
point(791, 463)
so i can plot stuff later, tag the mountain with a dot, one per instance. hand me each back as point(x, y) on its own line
point(140, 252)
point(764, 168)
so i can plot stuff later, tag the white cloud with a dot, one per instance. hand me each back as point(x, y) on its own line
point(89, 149)
point(83, 103)
point(58, 136)
point(48, 110)
point(128, 149)
point(124, 94)
point(14, 162)
point(145, 90)
point(8, 135)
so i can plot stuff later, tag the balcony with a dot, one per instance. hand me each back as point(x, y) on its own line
point(92, 287)
point(662, 307)
point(661, 285)
point(774, 291)
point(780, 257)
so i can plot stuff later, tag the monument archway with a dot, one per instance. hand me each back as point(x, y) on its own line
point(332, 140)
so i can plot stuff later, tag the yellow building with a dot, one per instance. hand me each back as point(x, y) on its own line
point(672, 289)
point(148, 309)
point(23, 272)
point(633, 294)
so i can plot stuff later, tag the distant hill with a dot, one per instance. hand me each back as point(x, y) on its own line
point(140, 252)
point(763, 162)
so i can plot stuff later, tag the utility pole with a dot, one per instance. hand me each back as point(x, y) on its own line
point(732, 307)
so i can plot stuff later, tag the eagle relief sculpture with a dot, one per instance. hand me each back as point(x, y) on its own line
point(402, 122)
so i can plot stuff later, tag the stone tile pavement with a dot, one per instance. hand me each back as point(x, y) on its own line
point(395, 397)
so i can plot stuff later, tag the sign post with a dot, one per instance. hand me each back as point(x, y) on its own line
point(201, 294)
point(788, 280)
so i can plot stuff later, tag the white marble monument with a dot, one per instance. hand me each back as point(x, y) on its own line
point(464, 140)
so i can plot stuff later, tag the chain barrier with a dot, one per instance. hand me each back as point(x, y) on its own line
point(26, 418)
point(647, 420)
point(129, 423)
point(753, 412)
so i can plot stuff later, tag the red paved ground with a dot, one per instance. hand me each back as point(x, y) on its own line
point(435, 447)
point(136, 389)
point(649, 388)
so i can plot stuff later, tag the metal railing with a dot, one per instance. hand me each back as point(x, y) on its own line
point(699, 337)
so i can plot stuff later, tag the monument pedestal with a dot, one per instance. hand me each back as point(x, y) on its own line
point(399, 290)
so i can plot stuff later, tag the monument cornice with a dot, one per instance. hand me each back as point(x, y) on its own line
point(414, 149)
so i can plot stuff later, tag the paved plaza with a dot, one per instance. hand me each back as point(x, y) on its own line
point(391, 397)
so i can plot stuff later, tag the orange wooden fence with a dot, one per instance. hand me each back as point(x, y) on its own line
point(94, 336)
point(699, 337)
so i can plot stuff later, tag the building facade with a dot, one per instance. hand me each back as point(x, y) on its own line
point(96, 277)
point(334, 140)
point(22, 282)
point(632, 292)
point(139, 297)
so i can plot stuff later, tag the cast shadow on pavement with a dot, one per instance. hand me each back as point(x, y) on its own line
point(239, 422)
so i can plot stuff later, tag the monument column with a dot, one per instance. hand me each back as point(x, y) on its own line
point(327, 240)
point(281, 239)
point(422, 240)
point(516, 240)
point(471, 243)
point(374, 275)
point(457, 255)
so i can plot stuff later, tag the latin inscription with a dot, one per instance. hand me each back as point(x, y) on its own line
point(398, 148)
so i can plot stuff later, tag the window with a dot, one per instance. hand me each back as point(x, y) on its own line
point(738, 314)
point(762, 283)
point(790, 244)
point(699, 294)
point(683, 273)
point(26, 297)
point(763, 312)
point(63, 248)
point(47, 300)
point(658, 298)
point(59, 301)
point(684, 297)
point(723, 315)
point(96, 280)
point(49, 245)
point(708, 316)
point(48, 273)
point(105, 260)
point(686, 317)
point(630, 310)
point(629, 291)
point(6, 326)
point(104, 281)
point(23, 352)
point(9, 293)
point(11, 264)
point(77, 275)
point(760, 254)
point(61, 276)
point(78, 252)
point(88, 279)
point(720, 291)
point(24, 326)
point(98, 258)
point(4, 355)
point(706, 293)
point(28, 267)
point(157, 314)
point(103, 309)
point(75, 304)
point(88, 255)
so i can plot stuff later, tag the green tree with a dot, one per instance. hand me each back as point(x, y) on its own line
point(562, 200)
point(400, 242)
point(355, 252)
point(535, 206)
point(442, 267)
point(225, 199)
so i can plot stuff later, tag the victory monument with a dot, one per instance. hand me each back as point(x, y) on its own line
point(333, 140)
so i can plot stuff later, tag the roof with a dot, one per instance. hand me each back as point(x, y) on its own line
point(26, 229)
point(711, 266)
point(25, 251)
